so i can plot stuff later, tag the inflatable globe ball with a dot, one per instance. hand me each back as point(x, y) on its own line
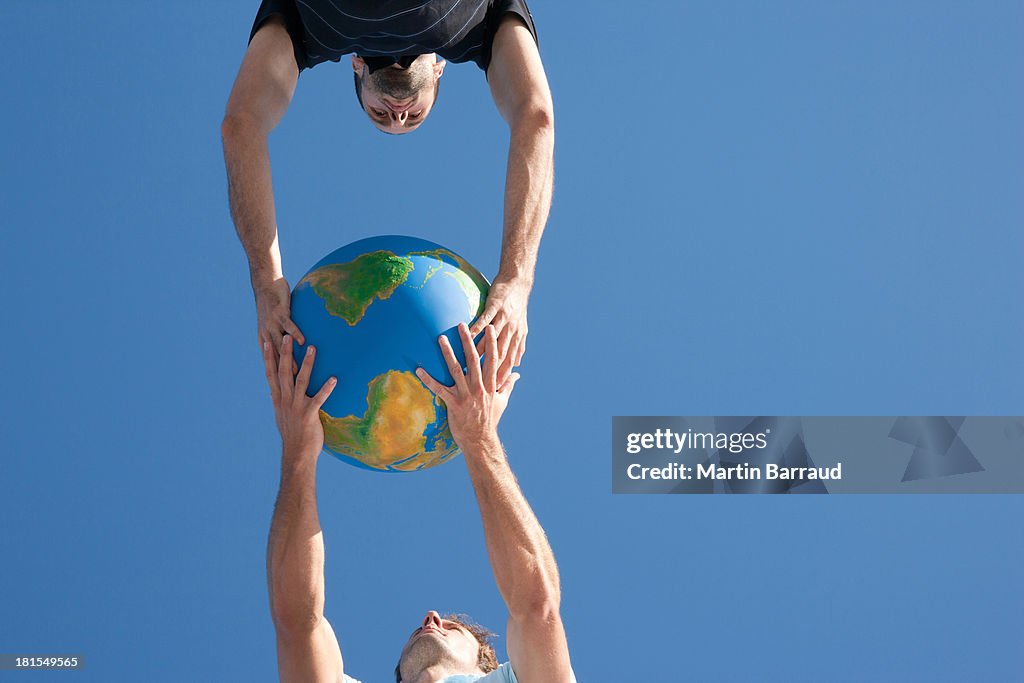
point(374, 310)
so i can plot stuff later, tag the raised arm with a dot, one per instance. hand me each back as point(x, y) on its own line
point(520, 91)
point(307, 649)
point(521, 558)
point(262, 92)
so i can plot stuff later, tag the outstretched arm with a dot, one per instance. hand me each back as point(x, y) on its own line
point(521, 558)
point(261, 95)
point(520, 91)
point(307, 649)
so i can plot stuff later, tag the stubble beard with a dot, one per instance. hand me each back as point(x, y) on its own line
point(402, 84)
point(425, 653)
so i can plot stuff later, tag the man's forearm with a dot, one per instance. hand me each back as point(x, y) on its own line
point(251, 197)
point(295, 551)
point(528, 185)
point(521, 558)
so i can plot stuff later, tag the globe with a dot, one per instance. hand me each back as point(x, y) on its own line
point(374, 310)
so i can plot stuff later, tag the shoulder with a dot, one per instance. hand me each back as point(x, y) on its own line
point(513, 34)
point(516, 75)
point(504, 18)
point(505, 674)
point(279, 21)
point(515, 12)
point(509, 18)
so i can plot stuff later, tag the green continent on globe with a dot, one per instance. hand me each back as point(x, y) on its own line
point(469, 278)
point(391, 434)
point(348, 289)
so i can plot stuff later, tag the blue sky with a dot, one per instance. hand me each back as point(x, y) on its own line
point(806, 208)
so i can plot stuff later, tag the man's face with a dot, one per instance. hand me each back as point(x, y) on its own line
point(439, 641)
point(398, 99)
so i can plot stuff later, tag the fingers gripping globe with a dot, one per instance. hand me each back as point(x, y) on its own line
point(374, 310)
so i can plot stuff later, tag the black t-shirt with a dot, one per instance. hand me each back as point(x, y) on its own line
point(458, 30)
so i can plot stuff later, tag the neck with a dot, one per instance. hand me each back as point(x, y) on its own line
point(437, 672)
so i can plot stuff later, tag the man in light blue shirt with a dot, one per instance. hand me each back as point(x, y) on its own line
point(441, 649)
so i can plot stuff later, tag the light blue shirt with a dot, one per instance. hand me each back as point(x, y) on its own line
point(503, 674)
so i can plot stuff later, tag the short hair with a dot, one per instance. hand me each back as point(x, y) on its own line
point(486, 659)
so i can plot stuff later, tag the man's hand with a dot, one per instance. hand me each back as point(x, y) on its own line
point(297, 415)
point(520, 555)
point(478, 398)
point(273, 313)
point(523, 98)
point(506, 311)
point(259, 98)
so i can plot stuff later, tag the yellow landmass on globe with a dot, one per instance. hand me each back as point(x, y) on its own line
point(390, 435)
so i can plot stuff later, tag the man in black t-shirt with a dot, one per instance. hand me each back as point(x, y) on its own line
point(399, 51)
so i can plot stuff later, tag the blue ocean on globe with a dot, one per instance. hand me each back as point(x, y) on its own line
point(374, 310)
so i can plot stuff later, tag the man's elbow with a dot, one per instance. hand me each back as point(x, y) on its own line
point(296, 610)
point(295, 620)
point(541, 607)
point(238, 126)
point(535, 118)
point(542, 117)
